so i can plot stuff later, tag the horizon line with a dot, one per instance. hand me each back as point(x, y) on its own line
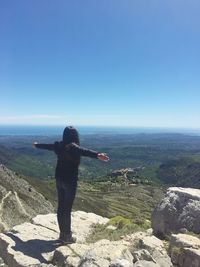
point(102, 126)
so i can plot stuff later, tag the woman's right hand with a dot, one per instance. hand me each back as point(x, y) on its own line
point(103, 157)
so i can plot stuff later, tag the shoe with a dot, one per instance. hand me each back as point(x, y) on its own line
point(67, 238)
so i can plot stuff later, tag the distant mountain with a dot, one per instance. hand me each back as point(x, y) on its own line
point(19, 201)
point(183, 172)
point(124, 150)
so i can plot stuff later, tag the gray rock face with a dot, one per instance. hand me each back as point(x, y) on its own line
point(128, 252)
point(149, 250)
point(179, 209)
point(19, 201)
point(185, 250)
point(36, 244)
point(102, 253)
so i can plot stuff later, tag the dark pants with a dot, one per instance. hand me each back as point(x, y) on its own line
point(66, 195)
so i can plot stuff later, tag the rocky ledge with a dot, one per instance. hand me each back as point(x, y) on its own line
point(176, 216)
point(35, 244)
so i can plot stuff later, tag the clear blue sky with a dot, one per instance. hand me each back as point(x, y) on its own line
point(108, 62)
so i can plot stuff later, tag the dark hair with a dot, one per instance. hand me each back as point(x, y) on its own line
point(70, 135)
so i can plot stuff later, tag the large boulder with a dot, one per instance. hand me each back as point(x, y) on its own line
point(178, 211)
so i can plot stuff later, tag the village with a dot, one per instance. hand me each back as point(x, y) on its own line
point(129, 176)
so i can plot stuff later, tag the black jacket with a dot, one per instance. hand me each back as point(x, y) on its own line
point(68, 158)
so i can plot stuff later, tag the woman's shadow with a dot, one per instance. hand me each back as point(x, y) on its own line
point(35, 247)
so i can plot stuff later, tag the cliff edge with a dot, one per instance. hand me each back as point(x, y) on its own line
point(19, 201)
point(36, 244)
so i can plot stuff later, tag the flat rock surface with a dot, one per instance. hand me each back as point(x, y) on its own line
point(35, 244)
point(191, 192)
point(31, 244)
point(184, 240)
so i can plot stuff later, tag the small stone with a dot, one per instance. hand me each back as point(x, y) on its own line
point(121, 263)
point(183, 230)
point(111, 227)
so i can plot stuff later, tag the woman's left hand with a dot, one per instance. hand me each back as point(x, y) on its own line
point(34, 144)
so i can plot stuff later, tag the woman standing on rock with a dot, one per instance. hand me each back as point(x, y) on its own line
point(68, 153)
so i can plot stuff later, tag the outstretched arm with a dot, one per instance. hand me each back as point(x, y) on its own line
point(44, 146)
point(88, 152)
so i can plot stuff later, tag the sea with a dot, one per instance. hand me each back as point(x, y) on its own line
point(57, 130)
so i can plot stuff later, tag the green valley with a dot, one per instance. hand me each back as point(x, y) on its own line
point(161, 160)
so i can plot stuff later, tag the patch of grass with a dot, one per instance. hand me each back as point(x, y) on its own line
point(124, 226)
point(120, 222)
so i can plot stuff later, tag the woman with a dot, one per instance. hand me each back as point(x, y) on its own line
point(68, 153)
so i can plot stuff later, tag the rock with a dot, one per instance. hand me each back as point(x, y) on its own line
point(17, 203)
point(121, 263)
point(94, 263)
point(151, 243)
point(111, 250)
point(146, 264)
point(71, 255)
point(183, 231)
point(27, 244)
point(142, 254)
point(157, 250)
point(150, 249)
point(111, 227)
point(86, 220)
point(150, 231)
point(33, 244)
point(183, 240)
point(185, 250)
point(102, 253)
point(189, 257)
point(2, 264)
point(179, 209)
point(186, 257)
